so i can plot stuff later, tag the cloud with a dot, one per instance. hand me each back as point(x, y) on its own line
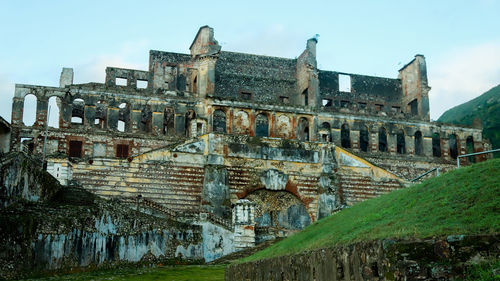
point(463, 75)
point(132, 55)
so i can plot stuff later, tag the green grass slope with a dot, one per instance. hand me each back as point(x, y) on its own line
point(486, 107)
point(463, 201)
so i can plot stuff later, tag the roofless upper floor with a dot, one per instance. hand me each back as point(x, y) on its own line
point(209, 72)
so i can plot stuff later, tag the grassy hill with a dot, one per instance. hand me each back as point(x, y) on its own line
point(486, 107)
point(463, 201)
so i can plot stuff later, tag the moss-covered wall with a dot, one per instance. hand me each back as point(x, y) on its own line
point(434, 259)
point(21, 178)
point(77, 229)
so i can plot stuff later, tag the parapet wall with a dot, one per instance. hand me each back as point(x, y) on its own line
point(433, 259)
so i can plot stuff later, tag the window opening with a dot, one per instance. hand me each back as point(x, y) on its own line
point(284, 100)
point(413, 107)
point(122, 151)
point(53, 111)
point(436, 145)
point(362, 105)
point(470, 148)
point(382, 140)
point(303, 129)
point(401, 144)
point(379, 107)
point(344, 83)
point(142, 84)
point(75, 149)
point(344, 104)
point(396, 109)
point(261, 125)
point(219, 121)
point(345, 136)
point(245, 95)
point(419, 145)
point(29, 110)
point(453, 146)
point(326, 102)
point(305, 97)
point(364, 139)
point(121, 81)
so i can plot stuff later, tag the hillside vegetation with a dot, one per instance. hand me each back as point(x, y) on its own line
point(463, 201)
point(486, 107)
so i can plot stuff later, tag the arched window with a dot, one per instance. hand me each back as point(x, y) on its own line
point(219, 121)
point(470, 148)
point(364, 139)
point(78, 111)
point(29, 110)
point(419, 144)
point(345, 136)
point(325, 132)
point(189, 116)
point(436, 145)
point(453, 146)
point(382, 140)
point(168, 121)
point(303, 129)
point(146, 119)
point(53, 111)
point(261, 125)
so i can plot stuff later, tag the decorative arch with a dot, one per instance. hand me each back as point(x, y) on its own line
point(325, 131)
point(241, 122)
point(345, 136)
point(382, 139)
point(261, 125)
point(78, 111)
point(364, 138)
point(436, 145)
point(283, 126)
point(219, 121)
point(30, 106)
point(303, 129)
point(54, 111)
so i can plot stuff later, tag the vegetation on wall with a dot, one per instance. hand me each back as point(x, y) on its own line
point(485, 107)
point(462, 202)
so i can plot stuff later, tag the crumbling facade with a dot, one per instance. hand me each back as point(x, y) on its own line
point(201, 133)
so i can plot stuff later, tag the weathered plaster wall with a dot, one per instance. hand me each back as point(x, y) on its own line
point(433, 259)
point(21, 178)
point(76, 229)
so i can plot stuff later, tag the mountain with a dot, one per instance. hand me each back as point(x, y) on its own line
point(485, 107)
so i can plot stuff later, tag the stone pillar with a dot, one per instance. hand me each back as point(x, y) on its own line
point(112, 116)
point(157, 121)
point(66, 78)
point(42, 104)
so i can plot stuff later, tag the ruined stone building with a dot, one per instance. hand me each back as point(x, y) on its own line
point(261, 145)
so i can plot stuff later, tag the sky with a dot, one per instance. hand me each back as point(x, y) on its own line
point(460, 39)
